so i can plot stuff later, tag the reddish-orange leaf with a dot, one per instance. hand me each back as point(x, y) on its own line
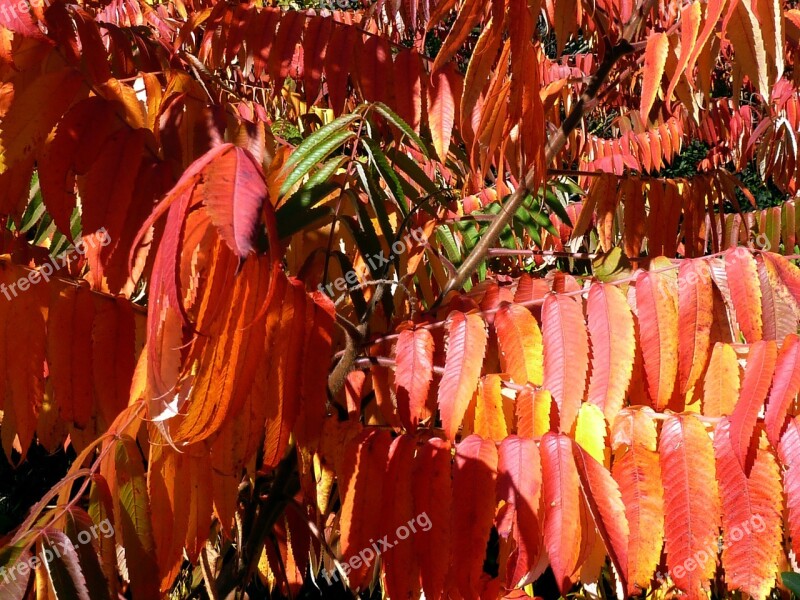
point(69, 354)
point(566, 356)
point(408, 96)
point(751, 517)
point(721, 384)
point(789, 454)
point(743, 282)
point(520, 343)
point(315, 46)
point(533, 409)
point(655, 59)
point(233, 190)
point(361, 489)
point(562, 526)
point(602, 496)
point(441, 111)
point(468, 15)
point(777, 304)
point(519, 483)
point(113, 363)
point(757, 377)
point(466, 345)
point(400, 561)
point(638, 473)
point(474, 474)
point(785, 386)
point(413, 374)
point(692, 515)
point(658, 335)
point(284, 379)
point(433, 496)
point(695, 316)
point(613, 347)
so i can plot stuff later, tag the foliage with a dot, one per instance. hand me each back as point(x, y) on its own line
point(306, 303)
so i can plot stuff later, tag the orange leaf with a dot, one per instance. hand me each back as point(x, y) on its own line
point(441, 111)
point(613, 346)
point(743, 281)
point(466, 346)
point(789, 454)
point(566, 355)
point(490, 418)
point(638, 474)
point(691, 523)
point(721, 385)
point(655, 59)
point(695, 316)
point(658, 335)
point(751, 517)
point(520, 344)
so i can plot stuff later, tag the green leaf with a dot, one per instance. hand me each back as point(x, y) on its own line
point(84, 535)
point(132, 519)
point(791, 581)
point(555, 205)
point(64, 569)
point(387, 172)
point(395, 120)
point(308, 145)
point(313, 157)
point(414, 172)
point(448, 242)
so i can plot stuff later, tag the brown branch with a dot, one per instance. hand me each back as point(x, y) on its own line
point(554, 146)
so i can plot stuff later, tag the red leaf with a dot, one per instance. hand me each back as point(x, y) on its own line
point(519, 483)
point(413, 374)
point(233, 190)
point(432, 491)
point(603, 498)
point(400, 561)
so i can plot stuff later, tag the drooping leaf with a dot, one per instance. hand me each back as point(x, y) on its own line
point(655, 58)
point(721, 384)
point(466, 345)
point(612, 343)
point(757, 378)
point(740, 267)
point(695, 316)
point(413, 374)
point(566, 355)
point(785, 386)
point(520, 344)
point(474, 475)
point(751, 516)
point(658, 335)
